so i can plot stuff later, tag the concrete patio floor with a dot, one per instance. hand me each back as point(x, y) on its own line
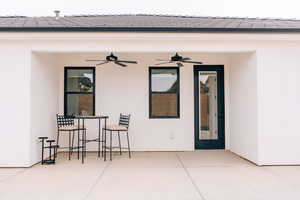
point(198, 175)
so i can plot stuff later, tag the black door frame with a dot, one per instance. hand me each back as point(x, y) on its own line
point(220, 142)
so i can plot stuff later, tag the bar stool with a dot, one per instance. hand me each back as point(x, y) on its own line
point(122, 127)
point(67, 124)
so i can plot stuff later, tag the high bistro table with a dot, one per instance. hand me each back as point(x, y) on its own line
point(81, 119)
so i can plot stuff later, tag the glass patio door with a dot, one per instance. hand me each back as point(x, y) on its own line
point(209, 107)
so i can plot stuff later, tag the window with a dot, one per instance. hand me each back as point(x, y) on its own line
point(164, 92)
point(79, 91)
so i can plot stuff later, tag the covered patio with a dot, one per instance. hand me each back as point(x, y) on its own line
point(198, 175)
point(126, 90)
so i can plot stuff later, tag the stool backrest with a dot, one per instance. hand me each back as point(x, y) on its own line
point(124, 120)
point(64, 120)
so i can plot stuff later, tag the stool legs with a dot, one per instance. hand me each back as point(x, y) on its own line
point(78, 142)
point(128, 144)
point(43, 145)
point(99, 143)
point(85, 143)
point(57, 140)
point(102, 138)
point(119, 143)
point(99, 135)
point(110, 149)
point(104, 146)
point(69, 145)
point(83, 146)
point(73, 135)
point(50, 152)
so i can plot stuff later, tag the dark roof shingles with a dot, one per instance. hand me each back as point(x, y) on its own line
point(129, 22)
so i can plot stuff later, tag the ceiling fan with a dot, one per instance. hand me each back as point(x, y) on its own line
point(114, 59)
point(179, 60)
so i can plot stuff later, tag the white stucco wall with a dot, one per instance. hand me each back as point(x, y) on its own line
point(279, 104)
point(44, 101)
point(277, 89)
point(14, 105)
point(243, 106)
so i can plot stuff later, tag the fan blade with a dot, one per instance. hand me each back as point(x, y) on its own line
point(186, 59)
point(121, 64)
point(102, 63)
point(94, 60)
point(163, 63)
point(127, 61)
point(195, 62)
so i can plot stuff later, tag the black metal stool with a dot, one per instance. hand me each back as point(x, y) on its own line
point(67, 124)
point(52, 148)
point(123, 126)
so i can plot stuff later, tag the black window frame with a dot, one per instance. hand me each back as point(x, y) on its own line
point(177, 92)
point(66, 92)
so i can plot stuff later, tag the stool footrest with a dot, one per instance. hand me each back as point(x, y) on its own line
point(69, 147)
point(48, 162)
point(52, 147)
point(115, 147)
point(93, 140)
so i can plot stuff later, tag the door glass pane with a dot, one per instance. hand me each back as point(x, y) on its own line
point(80, 104)
point(80, 80)
point(208, 109)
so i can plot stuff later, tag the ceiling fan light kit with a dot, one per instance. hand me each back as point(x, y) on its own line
point(177, 59)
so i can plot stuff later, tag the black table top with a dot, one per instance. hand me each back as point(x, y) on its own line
point(90, 117)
